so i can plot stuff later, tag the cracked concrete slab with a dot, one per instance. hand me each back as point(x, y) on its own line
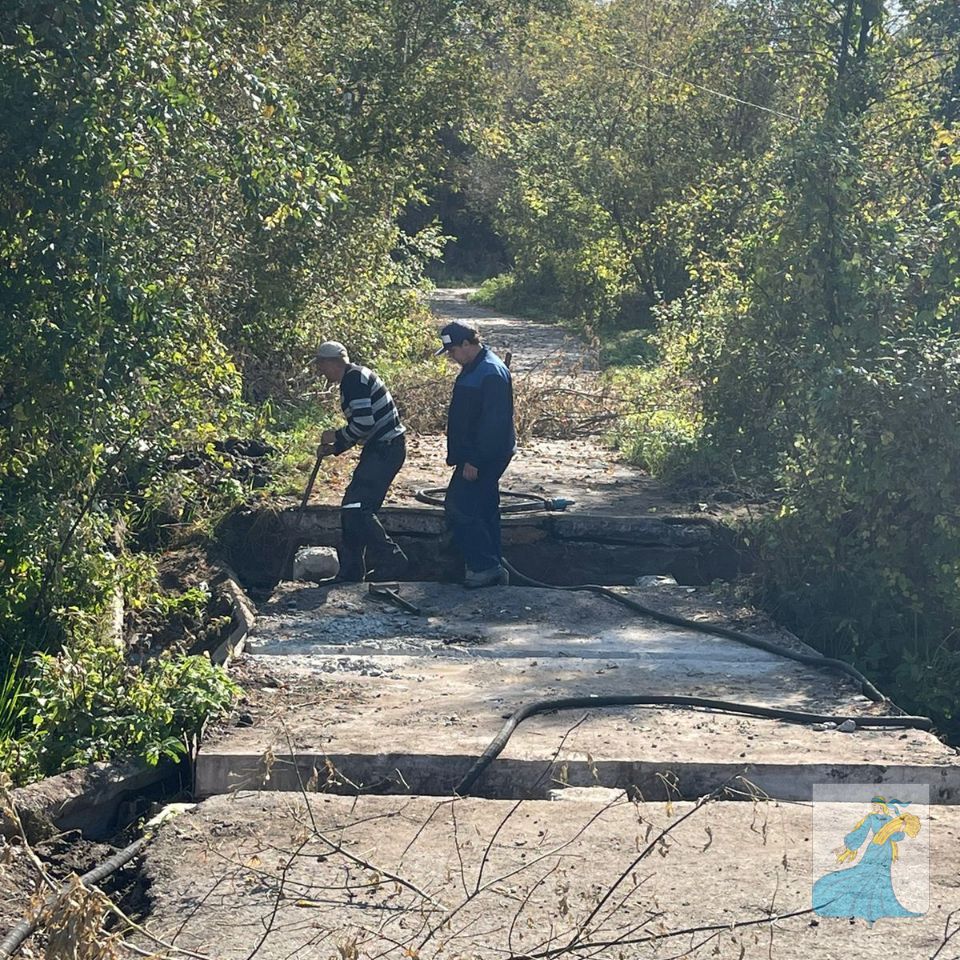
point(317, 876)
point(389, 701)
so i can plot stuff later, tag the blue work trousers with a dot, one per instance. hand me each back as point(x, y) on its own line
point(472, 510)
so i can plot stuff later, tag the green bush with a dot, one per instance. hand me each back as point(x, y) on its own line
point(87, 704)
point(824, 354)
point(660, 441)
point(862, 557)
point(510, 294)
point(629, 347)
point(664, 434)
point(495, 291)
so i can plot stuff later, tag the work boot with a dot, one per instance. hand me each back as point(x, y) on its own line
point(494, 577)
point(353, 564)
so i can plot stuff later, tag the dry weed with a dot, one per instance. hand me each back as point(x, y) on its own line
point(550, 402)
point(73, 926)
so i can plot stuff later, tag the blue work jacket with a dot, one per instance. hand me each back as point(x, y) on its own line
point(480, 419)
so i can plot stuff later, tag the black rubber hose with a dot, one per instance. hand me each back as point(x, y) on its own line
point(527, 501)
point(15, 938)
point(578, 703)
point(810, 659)
point(574, 703)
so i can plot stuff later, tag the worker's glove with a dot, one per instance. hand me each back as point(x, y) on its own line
point(325, 450)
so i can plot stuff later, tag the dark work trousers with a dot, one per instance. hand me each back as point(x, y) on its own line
point(364, 540)
point(472, 509)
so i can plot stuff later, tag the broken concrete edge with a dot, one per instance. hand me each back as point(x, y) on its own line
point(320, 518)
point(88, 798)
point(514, 778)
point(243, 613)
point(85, 799)
point(609, 550)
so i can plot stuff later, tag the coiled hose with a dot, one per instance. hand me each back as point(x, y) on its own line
point(521, 501)
point(535, 502)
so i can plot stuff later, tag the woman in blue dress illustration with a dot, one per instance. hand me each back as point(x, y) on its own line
point(866, 889)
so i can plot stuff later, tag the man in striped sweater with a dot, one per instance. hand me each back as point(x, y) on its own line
point(374, 423)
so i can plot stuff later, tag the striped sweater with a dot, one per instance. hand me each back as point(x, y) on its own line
point(371, 414)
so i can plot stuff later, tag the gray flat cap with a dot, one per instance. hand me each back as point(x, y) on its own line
point(332, 350)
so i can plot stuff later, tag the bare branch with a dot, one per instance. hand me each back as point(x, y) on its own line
point(496, 833)
point(700, 804)
point(948, 934)
point(456, 846)
point(654, 938)
point(268, 926)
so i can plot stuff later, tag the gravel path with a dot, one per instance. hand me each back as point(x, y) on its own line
point(542, 347)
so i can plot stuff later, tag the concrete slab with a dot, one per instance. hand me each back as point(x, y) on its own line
point(319, 877)
point(562, 548)
point(497, 622)
point(387, 701)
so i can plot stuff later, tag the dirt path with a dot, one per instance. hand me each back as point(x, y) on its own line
point(535, 346)
point(581, 468)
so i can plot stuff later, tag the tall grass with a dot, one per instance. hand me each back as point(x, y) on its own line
point(12, 703)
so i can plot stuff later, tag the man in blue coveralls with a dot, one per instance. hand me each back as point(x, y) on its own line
point(481, 441)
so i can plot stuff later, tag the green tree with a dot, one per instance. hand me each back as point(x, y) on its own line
point(193, 194)
point(825, 350)
point(609, 120)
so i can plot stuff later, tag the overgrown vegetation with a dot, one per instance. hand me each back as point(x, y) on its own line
point(754, 206)
point(193, 195)
point(89, 703)
point(790, 228)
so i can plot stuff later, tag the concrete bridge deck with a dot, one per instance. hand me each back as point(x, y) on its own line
point(389, 701)
point(581, 839)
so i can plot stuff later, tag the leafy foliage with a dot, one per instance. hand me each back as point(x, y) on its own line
point(87, 704)
point(110, 355)
point(606, 124)
point(826, 352)
point(193, 195)
point(791, 230)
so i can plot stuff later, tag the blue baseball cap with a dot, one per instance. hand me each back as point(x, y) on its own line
point(453, 334)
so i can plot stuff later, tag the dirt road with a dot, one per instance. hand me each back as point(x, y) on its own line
point(542, 347)
point(583, 468)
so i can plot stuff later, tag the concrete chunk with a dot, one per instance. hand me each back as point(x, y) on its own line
point(315, 563)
